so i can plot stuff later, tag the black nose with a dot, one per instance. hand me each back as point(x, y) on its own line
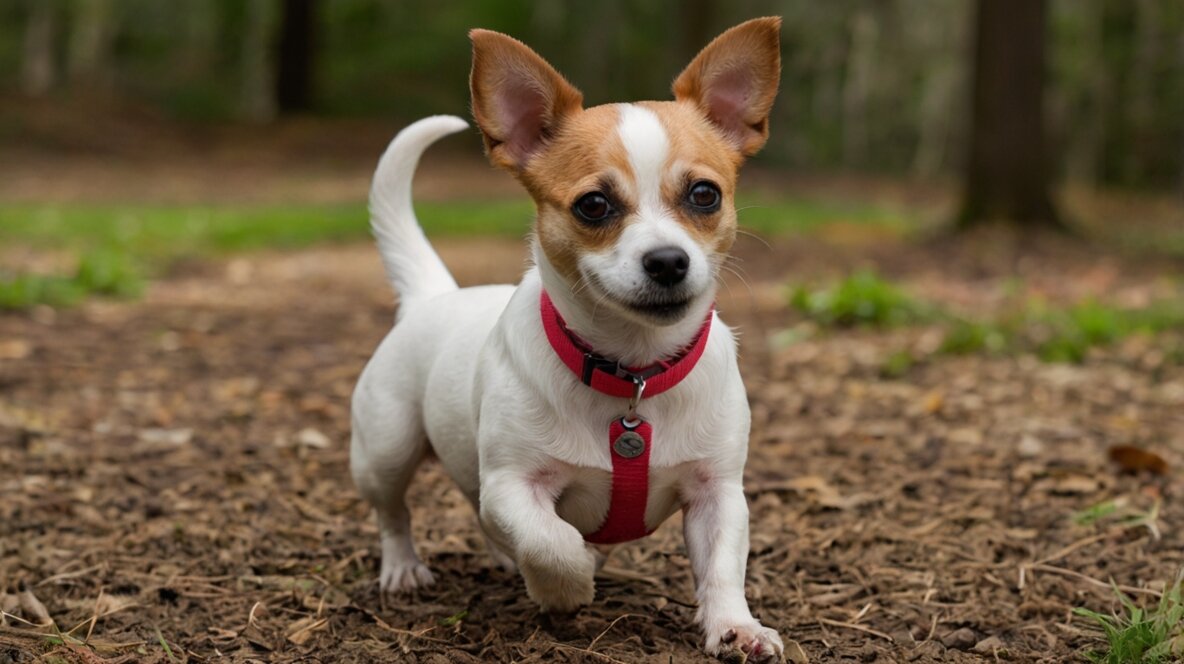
point(667, 266)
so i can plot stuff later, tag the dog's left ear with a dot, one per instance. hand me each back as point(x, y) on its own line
point(734, 80)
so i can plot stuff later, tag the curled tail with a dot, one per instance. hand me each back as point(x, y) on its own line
point(412, 265)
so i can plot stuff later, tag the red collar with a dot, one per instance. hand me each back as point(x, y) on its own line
point(608, 376)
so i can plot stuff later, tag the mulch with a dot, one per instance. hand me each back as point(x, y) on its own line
point(174, 478)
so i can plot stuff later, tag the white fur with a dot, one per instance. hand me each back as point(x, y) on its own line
point(471, 371)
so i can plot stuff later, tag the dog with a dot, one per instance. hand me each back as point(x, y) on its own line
point(587, 404)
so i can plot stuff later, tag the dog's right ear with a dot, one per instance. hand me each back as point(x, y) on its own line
point(518, 99)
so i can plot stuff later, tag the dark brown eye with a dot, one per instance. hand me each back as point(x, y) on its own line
point(593, 208)
point(704, 197)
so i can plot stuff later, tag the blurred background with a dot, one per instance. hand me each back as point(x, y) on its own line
point(877, 86)
point(163, 129)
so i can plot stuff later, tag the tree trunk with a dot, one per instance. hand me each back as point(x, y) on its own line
point(257, 93)
point(1007, 176)
point(38, 66)
point(297, 46)
point(857, 83)
point(89, 61)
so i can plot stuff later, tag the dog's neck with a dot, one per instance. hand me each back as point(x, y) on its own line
point(609, 333)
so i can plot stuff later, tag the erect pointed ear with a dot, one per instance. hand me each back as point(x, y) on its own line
point(734, 80)
point(518, 99)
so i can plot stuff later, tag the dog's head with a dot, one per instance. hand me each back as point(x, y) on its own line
point(635, 201)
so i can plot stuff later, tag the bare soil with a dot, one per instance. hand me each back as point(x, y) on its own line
point(174, 471)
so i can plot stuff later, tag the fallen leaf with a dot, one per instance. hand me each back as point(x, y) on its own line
point(1133, 459)
point(166, 437)
point(15, 349)
point(1071, 485)
point(1030, 446)
point(310, 437)
point(794, 653)
point(32, 607)
point(301, 631)
point(933, 402)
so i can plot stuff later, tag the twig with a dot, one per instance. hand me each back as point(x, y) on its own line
point(1092, 581)
point(606, 658)
point(1071, 548)
point(859, 628)
point(606, 629)
point(68, 575)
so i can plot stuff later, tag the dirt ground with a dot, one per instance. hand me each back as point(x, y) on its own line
point(174, 471)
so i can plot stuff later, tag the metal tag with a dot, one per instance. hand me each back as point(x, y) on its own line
point(629, 445)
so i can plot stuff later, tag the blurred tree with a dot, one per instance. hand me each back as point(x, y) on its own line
point(258, 86)
point(89, 58)
point(38, 62)
point(297, 51)
point(1007, 175)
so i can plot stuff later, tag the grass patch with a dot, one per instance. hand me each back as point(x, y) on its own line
point(860, 300)
point(1139, 636)
point(1027, 325)
point(104, 273)
point(774, 216)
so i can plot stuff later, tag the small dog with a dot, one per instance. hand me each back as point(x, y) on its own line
point(587, 404)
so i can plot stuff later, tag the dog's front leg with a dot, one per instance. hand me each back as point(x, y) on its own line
point(518, 512)
point(715, 524)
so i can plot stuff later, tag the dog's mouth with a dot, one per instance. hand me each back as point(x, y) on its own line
point(659, 308)
point(665, 310)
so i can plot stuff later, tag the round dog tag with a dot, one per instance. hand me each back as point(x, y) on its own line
point(629, 445)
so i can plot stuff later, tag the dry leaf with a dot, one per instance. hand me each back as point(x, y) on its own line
point(1133, 459)
point(300, 631)
point(794, 653)
point(32, 607)
point(166, 437)
point(15, 349)
point(1071, 485)
point(310, 437)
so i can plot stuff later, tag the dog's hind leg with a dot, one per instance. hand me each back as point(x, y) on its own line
point(386, 449)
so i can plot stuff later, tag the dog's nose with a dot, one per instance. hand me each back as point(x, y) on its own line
point(667, 266)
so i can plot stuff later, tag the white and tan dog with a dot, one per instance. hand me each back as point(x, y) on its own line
point(635, 216)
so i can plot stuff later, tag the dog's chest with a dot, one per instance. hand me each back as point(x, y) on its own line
point(585, 501)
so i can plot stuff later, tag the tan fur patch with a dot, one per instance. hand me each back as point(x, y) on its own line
point(587, 154)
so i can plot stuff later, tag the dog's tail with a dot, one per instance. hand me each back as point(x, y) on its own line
point(412, 265)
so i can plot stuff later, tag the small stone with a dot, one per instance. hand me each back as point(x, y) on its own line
point(961, 639)
point(1030, 446)
point(989, 645)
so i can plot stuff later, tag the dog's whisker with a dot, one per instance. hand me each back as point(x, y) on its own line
point(753, 235)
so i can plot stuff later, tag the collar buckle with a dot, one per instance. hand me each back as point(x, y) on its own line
point(594, 362)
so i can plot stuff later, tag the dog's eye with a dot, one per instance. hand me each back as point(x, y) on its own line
point(704, 197)
point(593, 208)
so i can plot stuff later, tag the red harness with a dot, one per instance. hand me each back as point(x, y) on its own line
point(629, 436)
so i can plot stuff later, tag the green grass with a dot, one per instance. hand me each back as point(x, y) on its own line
point(163, 232)
point(862, 299)
point(1141, 636)
point(1026, 325)
point(99, 272)
point(774, 216)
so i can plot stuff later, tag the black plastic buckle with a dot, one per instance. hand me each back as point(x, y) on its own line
point(593, 362)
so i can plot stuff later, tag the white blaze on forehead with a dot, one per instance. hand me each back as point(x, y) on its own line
point(647, 146)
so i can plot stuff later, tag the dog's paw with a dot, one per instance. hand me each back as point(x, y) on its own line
point(405, 577)
point(565, 596)
point(748, 642)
